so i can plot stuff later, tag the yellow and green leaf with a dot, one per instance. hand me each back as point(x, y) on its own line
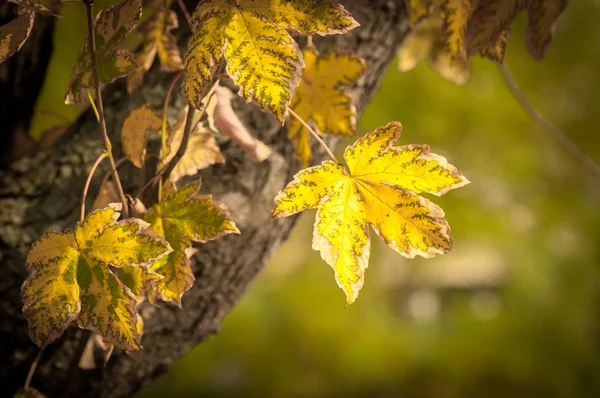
point(133, 133)
point(455, 14)
point(417, 10)
point(181, 218)
point(320, 98)
point(70, 278)
point(14, 34)
point(380, 188)
point(158, 41)
point(252, 37)
point(111, 27)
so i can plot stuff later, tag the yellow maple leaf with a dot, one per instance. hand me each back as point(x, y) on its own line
point(70, 278)
point(455, 14)
point(424, 42)
point(417, 10)
point(380, 188)
point(158, 41)
point(202, 150)
point(111, 26)
point(181, 218)
point(252, 36)
point(320, 98)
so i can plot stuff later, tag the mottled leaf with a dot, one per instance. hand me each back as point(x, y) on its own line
point(44, 7)
point(541, 18)
point(14, 34)
point(133, 134)
point(181, 218)
point(158, 41)
point(418, 9)
point(379, 188)
point(28, 393)
point(320, 98)
point(111, 27)
point(221, 117)
point(252, 37)
point(202, 150)
point(497, 50)
point(70, 278)
point(455, 14)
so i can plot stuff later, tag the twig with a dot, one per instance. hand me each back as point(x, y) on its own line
point(185, 12)
point(118, 164)
point(163, 133)
point(89, 180)
point(93, 104)
point(32, 370)
point(554, 131)
point(92, 48)
point(187, 131)
point(314, 134)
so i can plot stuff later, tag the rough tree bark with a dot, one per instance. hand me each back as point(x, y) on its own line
point(44, 193)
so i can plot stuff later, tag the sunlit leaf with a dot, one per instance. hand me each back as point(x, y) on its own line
point(111, 27)
point(14, 34)
point(252, 37)
point(133, 133)
point(70, 278)
point(320, 98)
point(380, 188)
point(418, 9)
point(455, 14)
point(158, 41)
point(181, 218)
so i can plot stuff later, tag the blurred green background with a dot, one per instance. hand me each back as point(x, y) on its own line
point(513, 311)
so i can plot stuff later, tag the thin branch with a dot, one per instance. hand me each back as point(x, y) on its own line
point(163, 133)
point(92, 49)
point(185, 12)
point(314, 134)
point(32, 369)
point(89, 180)
point(187, 132)
point(554, 131)
point(93, 104)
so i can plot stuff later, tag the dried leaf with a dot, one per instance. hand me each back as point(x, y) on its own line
point(44, 7)
point(14, 34)
point(541, 19)
point(133, 133)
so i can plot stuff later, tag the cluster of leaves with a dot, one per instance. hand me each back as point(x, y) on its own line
point(96, 274)
point(465, 28)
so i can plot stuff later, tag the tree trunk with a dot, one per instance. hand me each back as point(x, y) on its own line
point(44, 193)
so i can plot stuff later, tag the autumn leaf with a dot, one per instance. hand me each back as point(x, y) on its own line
point(418, 10)
point(181, 218)
point(252, 37)
point(541, 18)
point(202, 150)
point(111, 27)
point(14, 34)
point(380, 188)
point(44, 7)
point(28, 393)
point(320, 98)
point(455, 14)
point(71, 279)
point(221, 117)
point(424, 42)
point(158, 41)
point(139, 279)
point(133, 133)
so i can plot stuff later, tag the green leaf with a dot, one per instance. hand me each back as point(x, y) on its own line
point(111, 27)
point(70, 278)
point(181, 218)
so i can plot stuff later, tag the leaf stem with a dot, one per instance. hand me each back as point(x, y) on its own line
point(314, 134)
point(93, 104)
point(187, 132)
point(89, 180)
point(185, 12)
point(550, 128)
point(32, 369)
point(163, 133)
point(92, 49)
